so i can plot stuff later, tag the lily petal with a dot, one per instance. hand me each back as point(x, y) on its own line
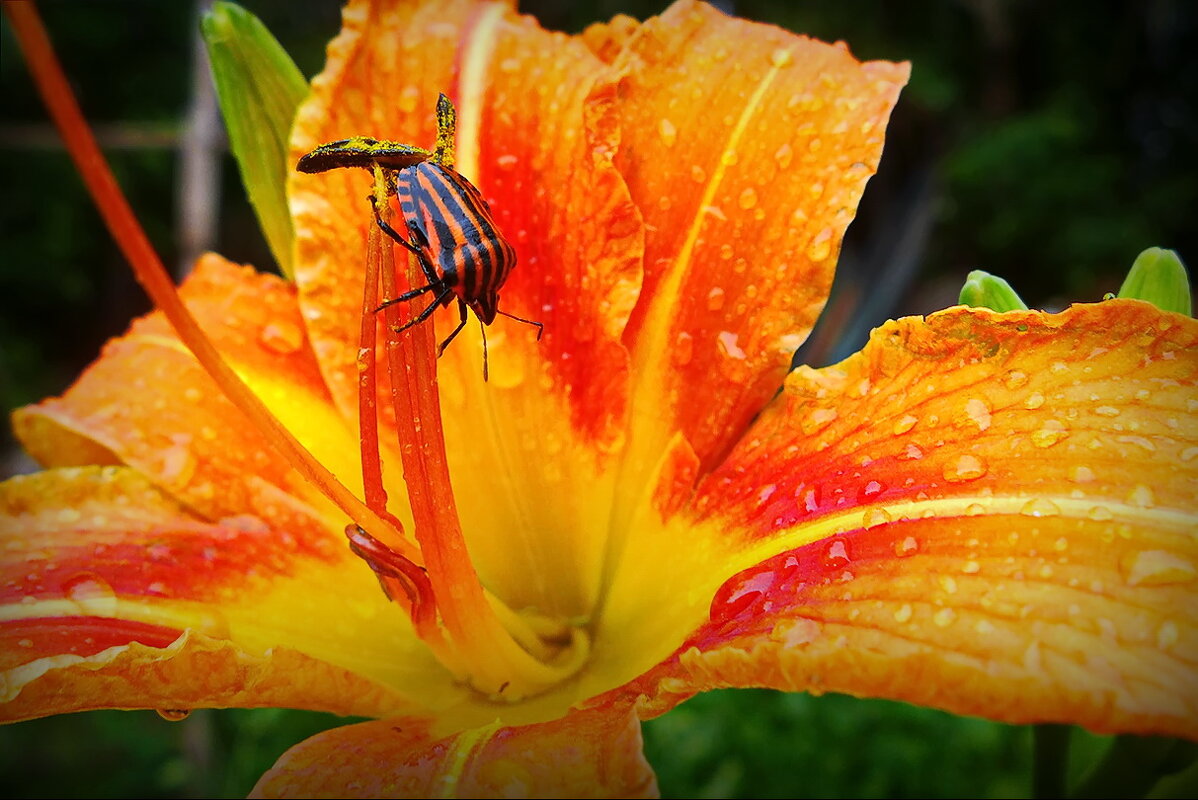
point(747, 149)
point(595, 754)
point(988, 513)
point(536, 134)
point(112, 595)
point(147, 403)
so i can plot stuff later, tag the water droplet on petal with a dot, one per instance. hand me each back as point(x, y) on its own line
point(715, 299)
point(783, 155)
point(836, 554)
point(1157, 568)
point(1100, 514)
point(667, 132)
point(1040, 507)
point(821, 246)
point(1051, 432)
point(781, 57)
point(92, 594)
point(282, 338)
point(728, 345)
point(174, 714)
point(1141, 497)
point(1082, 474)
point(905, 424)
point(964, 468)
point(906, 547)
point(698, 174)
point(747, 199)
point(978, 413)
point(817, 420)
point(1167, 635)
point(1015, 379)
point(684, 348)
point(944, 617)
point(903, 613)
point(1033, 401)
point(875, 517)
point(507, 162)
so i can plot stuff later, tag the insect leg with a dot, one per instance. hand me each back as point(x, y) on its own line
point(428, 311)
point(540, 325)
point(457, 330)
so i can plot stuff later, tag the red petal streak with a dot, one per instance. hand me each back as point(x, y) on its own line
point(26, 640)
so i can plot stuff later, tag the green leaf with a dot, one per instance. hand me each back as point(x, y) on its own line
point(1159, 277)
point(260, 89)
point(983, 290)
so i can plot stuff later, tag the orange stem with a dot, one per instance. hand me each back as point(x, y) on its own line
point(131, 239)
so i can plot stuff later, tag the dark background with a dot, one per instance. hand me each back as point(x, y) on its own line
point(1048, 143)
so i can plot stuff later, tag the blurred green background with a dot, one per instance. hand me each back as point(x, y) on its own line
point(1045, 142)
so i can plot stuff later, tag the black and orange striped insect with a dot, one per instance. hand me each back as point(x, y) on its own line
point(461, 250)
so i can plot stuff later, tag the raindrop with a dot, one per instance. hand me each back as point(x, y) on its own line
point(978, 413)
point(1051, 432)
point(780, 57)
point(507, 162)
point(903, 613)
point(728, 345)
point(1033, 401)
point(726, 251)
point(1157, 568)
point(1082, 474)
point(92, 594)
point(965, 468)
point(784, 155)
point(1100, 514)
point(875, 517)
point(1189, 454)
point(944, 617)
point(1141, 497)
point(911, 453)
point(698, 175)
point(282, 338)
point(817, 420)
point(836, 555)
point(905, 424)
point(821, 246)
point(715, 299)
point(748, 199)
point(174, 714)
point(667, 132)
point(1107, 411)
point(1040, 507)
point(684, 348)
point(906, 547)
point(1015, 379)
point(1167, 635)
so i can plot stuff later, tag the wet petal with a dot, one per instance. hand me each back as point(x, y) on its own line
point(112, 595)
point(594, 754)
point(147, 403)
point(536, 134)
point(992, 514)
point(746, 148)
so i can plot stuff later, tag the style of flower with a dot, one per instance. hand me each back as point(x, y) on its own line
point(987, 513)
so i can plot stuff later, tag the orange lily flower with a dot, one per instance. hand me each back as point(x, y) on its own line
point(987, 513)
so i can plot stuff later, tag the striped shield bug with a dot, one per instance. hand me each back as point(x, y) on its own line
point(461, 250)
